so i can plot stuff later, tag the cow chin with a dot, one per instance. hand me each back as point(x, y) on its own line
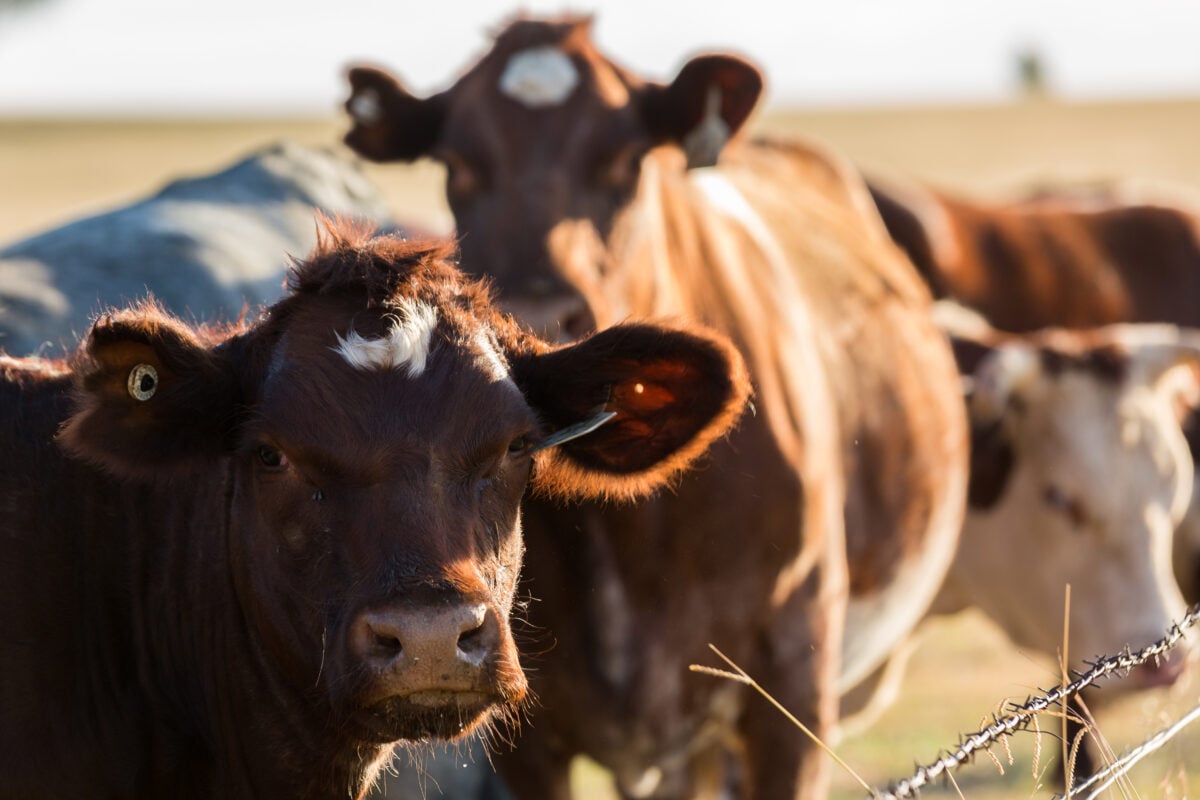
point(436, 714)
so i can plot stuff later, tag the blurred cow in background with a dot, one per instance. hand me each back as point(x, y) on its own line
point(1080, 474)
point(204, 247)
point(590, 195)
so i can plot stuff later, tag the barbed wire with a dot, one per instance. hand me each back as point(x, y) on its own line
point(1105, 777)
point(1021, 714)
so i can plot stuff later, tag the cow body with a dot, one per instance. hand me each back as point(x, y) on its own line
point(243, 562)
point(204, 246)
point(1046, 262)
point(815, 539)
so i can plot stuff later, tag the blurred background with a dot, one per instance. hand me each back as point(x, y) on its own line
point(103, 101)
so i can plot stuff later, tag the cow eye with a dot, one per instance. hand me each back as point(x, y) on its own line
point(621, 170)
point(1062, 503)
point(271, 457)
point(519, 446)
point(462, 178)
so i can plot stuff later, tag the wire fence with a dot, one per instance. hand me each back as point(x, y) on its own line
point(1021, 715)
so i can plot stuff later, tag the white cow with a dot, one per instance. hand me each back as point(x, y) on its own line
point(1079, 475)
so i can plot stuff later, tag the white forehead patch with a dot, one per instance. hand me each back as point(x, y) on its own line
point(539, 77)
point(406, 343)
point(365, 106)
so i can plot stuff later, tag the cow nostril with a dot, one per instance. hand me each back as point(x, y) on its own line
point(385, 645)
point(472, 640)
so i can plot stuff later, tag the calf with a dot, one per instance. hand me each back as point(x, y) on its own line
point(242, 562)
point(589, 195)
point(203, 246)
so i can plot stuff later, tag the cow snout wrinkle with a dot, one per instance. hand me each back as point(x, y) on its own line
point(426, 648)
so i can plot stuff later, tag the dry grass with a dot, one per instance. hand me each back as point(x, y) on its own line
point(56, 170)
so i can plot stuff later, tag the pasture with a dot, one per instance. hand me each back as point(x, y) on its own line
point(55, 170)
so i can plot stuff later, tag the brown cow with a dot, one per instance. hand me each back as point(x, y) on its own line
point(261, 555)
point(833, 509)
point(1072, 261)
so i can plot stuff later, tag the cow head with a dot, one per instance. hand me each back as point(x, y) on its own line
point(544, 141)
point(1079, 475)
point(373, 436)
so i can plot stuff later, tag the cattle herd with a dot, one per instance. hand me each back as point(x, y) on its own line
point(271, 518)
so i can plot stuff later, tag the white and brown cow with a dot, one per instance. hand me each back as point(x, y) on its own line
point(1080, 474)
point(241, 562)
point(816, 538)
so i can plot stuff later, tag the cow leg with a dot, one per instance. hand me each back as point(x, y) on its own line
point(798, 667)
point(534, 769)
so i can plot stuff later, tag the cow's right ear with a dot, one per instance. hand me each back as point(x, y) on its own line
point(670, 393)
point(999, 378)
point(389, 123)
point(151, 400)
point(706, 104)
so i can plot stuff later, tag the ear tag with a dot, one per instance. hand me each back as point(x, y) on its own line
point(575, 431)
point(143, 382)
point(703, 145)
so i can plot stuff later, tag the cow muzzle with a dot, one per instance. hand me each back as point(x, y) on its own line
point(431, 670)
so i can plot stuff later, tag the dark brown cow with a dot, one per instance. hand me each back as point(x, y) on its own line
point(256, 557)
point(835, 508)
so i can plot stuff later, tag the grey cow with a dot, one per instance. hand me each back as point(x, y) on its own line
point(204, 247)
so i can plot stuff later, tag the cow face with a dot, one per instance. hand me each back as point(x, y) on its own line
point(1080, 475)
point(544, 141)
point(370, 441)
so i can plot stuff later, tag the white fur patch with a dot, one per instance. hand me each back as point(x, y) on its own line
point(539, 77)
point(365, 106)
point(406, 344)
point(489, 358)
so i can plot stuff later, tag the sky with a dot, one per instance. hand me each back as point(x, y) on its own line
point(282, 57)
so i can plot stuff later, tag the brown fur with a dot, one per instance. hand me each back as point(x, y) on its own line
point(1044, 263)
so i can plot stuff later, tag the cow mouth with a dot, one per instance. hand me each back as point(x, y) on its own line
point(441, 714)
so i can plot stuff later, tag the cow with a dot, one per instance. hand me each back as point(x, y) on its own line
point(1060, 259)
point(816, 537)
point(241, 561)
point(1067, 261)
point(203, 246)
point(1080, 474)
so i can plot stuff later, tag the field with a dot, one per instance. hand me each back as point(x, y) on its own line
point(54, 170)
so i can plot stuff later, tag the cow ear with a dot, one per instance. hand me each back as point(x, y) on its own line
point(389, 123)
point(672, 392)
point(999, 378)
point(706, 104)
point(152, 400)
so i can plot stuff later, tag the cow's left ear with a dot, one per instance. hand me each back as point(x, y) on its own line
point(672, 392)
point(151, 400)
point(390, 124)
point(706, 104)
